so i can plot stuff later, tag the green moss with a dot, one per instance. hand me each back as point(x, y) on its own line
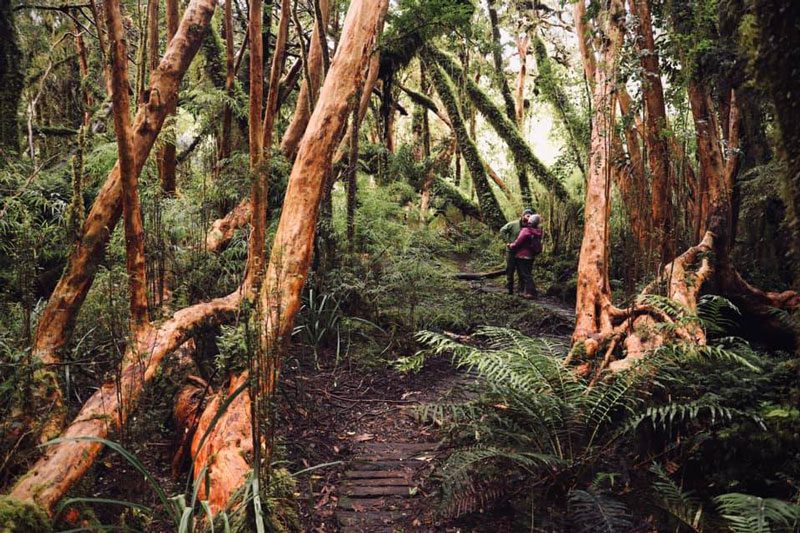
point(451, 195)
point(490, 208)
point(501, 124)
point(18, 516)
point(11, 80)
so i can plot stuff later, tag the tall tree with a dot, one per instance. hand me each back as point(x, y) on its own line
point(594, 290)
point(129, 175)
point(656, 134)
point(292, 248)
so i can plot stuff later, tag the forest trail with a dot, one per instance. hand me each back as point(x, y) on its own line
point(385, 486)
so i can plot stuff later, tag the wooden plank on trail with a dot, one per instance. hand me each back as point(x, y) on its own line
point(377, 474)
point(362, 491)
point(378, 482)
point(362, 504)
point(480, 275)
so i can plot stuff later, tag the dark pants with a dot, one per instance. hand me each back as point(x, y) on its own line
point(524, 268)
point(511, 268)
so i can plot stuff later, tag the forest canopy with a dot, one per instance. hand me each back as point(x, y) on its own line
point(367, 265)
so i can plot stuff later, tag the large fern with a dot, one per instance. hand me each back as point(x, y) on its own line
point(533, 420)
point(745, 513)
point(595, 512)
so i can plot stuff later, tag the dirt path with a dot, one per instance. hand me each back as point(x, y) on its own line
point(366, 422)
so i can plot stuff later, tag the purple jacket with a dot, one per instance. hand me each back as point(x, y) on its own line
point(528, 244)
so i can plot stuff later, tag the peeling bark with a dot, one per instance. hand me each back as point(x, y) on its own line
point(129, 175)
point(656, 125)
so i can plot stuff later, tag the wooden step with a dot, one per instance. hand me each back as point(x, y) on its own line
point(378, 482)
point(376, 474)
point(362, 491)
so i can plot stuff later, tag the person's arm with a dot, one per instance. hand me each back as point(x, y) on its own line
point(505, 232)
point(523, 235)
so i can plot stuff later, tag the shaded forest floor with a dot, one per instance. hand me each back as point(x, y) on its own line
point(335, 417)
point(367, 422)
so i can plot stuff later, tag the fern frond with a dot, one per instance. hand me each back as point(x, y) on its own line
point(751, 514)
point(679, 504)
point(597, 512)
point(715, 313)
point(666, 416)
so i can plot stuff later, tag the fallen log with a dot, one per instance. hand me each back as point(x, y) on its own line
point(480, 275)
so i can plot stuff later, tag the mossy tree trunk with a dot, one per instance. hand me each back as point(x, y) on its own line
point(554, 94)
point(490, 208)
point(11, 82)
point(500, 122)
point(779, 56)
point(513, 109)
point(167, 159)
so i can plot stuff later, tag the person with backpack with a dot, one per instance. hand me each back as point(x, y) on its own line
point(509, 233)
point(525, 248)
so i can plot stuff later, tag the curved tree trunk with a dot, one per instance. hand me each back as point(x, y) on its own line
point(293, 245)
point(297, 126)
point(500, 122)
point(59, 315)
point(65, 462)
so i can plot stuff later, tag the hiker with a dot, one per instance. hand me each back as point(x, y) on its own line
point(509, 233)
point(525, 248)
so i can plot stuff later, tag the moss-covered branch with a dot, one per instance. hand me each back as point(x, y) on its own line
point(446, 191)
point(490, 209)
point(504, 127)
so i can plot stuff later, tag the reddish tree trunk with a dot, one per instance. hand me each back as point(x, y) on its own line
point(594, 291)
point(129, 174)
point(294, 132)
point(58, 318)
point(258, 198)
point(655, 134)
point(294, 241)
point(167, 158)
